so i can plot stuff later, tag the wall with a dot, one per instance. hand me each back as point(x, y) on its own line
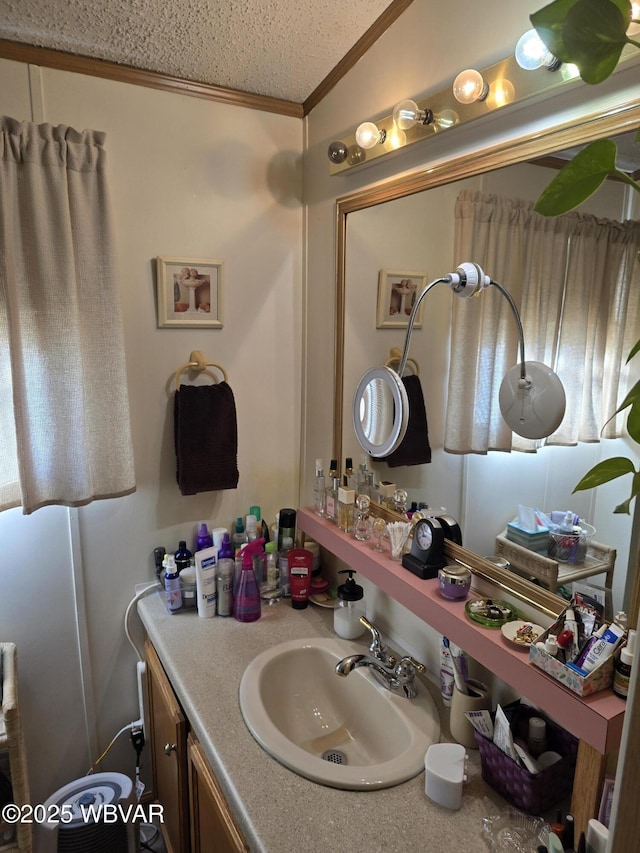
point(188, 178)
point(421, 52)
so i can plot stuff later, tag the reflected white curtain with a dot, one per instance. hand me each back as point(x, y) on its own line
point(64, 411)
point(575, 279)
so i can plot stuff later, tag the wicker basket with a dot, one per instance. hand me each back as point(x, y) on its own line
point(533, 793)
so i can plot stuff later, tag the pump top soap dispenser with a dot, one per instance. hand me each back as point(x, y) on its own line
point(349, 609)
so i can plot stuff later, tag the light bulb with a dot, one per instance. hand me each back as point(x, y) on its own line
point(368, 135)
point(469, 87)
point(407, 113)
point(531, 53)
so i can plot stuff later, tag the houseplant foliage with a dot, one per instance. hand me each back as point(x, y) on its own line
point(591, 34)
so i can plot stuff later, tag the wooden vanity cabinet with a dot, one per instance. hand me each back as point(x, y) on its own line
point(168, 739)
point(197, 817)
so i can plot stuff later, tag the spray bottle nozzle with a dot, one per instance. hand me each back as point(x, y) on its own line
point(255, 547)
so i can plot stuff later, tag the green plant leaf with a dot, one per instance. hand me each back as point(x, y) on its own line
point(604, 472)
point(588, 33)
point(549, 23)
point(632, 398)
point(635, 491)
point(633, 422)
point(579, 179)
point(634, 351)
point(594, 34)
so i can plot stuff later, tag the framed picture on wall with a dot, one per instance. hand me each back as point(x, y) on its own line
point(397, 292)
point(189, 292)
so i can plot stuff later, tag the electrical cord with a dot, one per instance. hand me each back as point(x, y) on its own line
point(153, 585)
point(137, 725)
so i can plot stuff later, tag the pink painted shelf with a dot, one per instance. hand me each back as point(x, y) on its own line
point(597, 719)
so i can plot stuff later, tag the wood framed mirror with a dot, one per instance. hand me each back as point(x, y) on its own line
point(622, 119)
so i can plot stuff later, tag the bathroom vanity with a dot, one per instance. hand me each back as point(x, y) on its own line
point(596, 720)
point(216, 782)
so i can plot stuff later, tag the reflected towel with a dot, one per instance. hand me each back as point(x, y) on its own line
point(414, 448)
point(206, 438)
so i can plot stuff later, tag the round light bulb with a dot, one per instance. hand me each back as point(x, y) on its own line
point(469, 87)
point(407, 113)
point(531, 52)
point(368, 135)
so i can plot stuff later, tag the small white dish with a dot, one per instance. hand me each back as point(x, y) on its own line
point(522, 634)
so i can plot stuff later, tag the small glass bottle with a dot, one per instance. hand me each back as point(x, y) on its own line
point(332, 499)
point(270, 589)
point(386, 491)
point(362, 524)
point(346, 508)
point(623, 666)
point(363, 480)
point(319, 490)
point(349, 474)
point(349, 609)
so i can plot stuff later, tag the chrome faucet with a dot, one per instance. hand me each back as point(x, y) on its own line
point(378, 648)
point(397, 677)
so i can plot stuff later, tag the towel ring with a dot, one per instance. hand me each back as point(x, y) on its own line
point(198, 363)
point(395, 357)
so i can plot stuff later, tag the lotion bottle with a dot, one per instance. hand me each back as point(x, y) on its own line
point(206, 562)
point(300, 561)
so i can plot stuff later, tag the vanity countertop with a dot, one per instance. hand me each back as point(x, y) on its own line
point(277, 810)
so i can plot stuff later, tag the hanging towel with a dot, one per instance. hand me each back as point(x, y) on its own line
point(206, 438)
point(414, 448)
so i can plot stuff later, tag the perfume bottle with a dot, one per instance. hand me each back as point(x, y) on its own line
point(362, 524)
point(363, 480)
point(319, 491)
point(331, 506)
point(349, 474)
point(346, 507)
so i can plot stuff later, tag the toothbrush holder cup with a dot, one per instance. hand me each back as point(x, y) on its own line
point(477, 699)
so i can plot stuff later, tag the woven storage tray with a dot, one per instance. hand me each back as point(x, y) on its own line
point(533, 793)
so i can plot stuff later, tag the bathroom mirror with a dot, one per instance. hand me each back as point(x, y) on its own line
point(353, 243)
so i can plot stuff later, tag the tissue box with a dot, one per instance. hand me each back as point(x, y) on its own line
point(537, 541)
point(584, 685)
point(534, 793)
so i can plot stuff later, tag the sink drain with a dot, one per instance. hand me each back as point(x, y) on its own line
point(335, 756)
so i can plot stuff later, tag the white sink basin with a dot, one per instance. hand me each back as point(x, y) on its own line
point(343, 732)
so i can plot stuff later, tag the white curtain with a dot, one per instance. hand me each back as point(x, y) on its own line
point(575, 279)
point(64, 411)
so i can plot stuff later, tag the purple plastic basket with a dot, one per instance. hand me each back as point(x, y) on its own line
point(533, 793)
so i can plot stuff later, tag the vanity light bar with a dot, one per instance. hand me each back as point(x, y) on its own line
point(507, 83)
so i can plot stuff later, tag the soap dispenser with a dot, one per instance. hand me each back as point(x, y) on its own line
point(349, 609)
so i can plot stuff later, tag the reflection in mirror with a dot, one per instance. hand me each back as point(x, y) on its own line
point(380, 411)
point(413, 229)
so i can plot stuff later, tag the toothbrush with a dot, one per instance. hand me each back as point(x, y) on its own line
point(458, 677)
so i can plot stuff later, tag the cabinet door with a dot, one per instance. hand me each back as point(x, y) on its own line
point(213, 827)
point(169, 752)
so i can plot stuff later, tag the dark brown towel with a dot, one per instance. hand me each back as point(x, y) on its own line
point(414, 448)
point(206, 438)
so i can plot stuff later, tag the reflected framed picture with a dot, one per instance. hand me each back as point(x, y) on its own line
point(397, 293)
point(189, 292)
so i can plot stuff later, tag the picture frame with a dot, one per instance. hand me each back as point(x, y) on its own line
point(397, 291)
point(189, 292)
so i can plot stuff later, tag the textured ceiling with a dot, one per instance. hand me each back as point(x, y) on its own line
point(278, 48)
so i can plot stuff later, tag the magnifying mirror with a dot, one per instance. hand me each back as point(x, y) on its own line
point(380, 411)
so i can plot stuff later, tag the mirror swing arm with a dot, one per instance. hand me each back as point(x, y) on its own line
point(532, 399)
